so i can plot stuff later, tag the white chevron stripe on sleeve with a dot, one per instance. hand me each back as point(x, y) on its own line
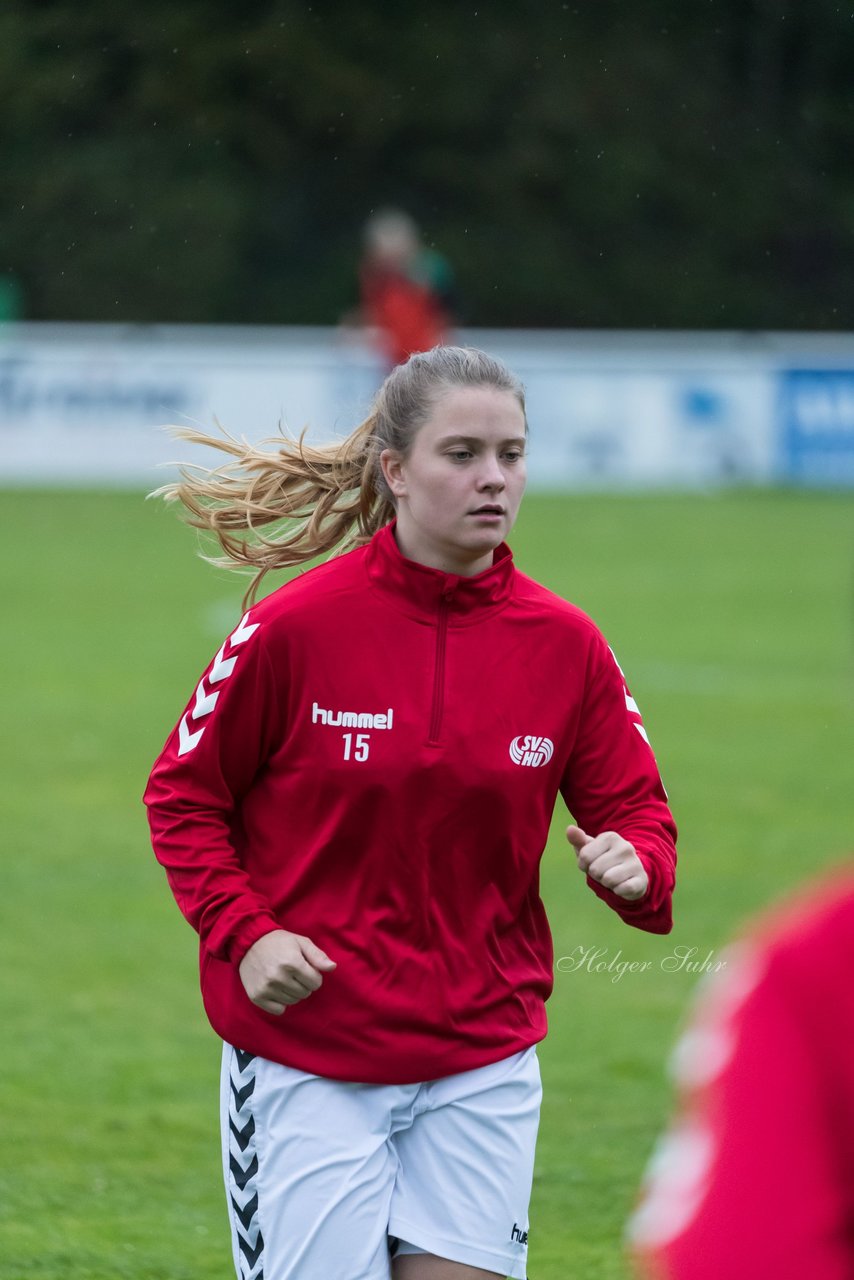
point(243, 631)
point(221, 669)
point(205, 702)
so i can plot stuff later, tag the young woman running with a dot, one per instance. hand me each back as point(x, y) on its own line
point(351, 811)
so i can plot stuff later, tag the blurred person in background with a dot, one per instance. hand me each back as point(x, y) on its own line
point(407, 294)
point(755, 1180)
point(351, 811)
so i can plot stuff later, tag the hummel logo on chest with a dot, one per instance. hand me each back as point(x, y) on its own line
point(353, 719)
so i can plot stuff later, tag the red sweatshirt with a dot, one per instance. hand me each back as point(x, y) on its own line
point(756, 1179)
point(372, 760)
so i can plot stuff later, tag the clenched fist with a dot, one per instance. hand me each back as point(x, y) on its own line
point(282, 968)
point(611, 861)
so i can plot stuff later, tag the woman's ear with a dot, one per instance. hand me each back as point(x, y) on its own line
point(392, 468)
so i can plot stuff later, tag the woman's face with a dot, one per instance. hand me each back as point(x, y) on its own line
point(459, 487)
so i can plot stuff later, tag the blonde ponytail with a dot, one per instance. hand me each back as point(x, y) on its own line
point(327, 497)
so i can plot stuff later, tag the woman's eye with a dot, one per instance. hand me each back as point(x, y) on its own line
point(460, 455)
point(513, 455)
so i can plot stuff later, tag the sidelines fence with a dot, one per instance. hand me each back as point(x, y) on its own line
point(87, 404)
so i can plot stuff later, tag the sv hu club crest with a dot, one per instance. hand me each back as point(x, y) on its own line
point(527, 749)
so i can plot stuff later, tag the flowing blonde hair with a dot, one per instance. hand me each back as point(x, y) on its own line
point(328, 497)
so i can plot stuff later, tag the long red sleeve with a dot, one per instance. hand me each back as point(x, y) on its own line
point(612, 783)
point(208, 763)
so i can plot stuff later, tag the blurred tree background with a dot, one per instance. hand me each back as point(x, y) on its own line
point(680, 164)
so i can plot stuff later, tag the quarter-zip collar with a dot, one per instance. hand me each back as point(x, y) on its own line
point(421, 592)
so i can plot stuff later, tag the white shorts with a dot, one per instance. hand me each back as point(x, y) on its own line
point(325, 1180)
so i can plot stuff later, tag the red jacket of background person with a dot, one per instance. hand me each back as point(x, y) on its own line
point(407, 311)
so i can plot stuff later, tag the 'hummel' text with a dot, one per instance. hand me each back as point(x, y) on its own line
point(353, 719)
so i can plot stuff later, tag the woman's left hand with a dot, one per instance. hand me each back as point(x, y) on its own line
point(611, 861)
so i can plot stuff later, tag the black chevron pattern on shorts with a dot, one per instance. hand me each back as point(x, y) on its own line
point(247, 1213)
point(245, 1135)
point(243, 1167)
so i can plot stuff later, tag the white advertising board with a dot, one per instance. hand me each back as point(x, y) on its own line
point(88, 404)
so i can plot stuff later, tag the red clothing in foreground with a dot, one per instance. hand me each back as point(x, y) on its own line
point(372, 760)
point(756, 1179)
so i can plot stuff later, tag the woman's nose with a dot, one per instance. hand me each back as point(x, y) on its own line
point(491, 476)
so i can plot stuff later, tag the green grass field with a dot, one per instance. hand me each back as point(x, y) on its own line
point(733, 617)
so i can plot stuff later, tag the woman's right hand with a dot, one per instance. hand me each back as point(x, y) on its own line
point(282, 968)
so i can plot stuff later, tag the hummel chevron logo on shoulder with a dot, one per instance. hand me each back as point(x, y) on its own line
point(631, 706)
point(206, 699)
